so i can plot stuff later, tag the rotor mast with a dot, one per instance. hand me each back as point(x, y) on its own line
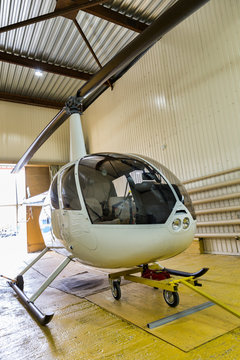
point(77, 143)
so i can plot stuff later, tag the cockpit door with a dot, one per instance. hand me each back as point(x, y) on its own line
point(75, 225)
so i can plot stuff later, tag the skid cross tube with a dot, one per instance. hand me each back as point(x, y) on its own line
point(50, 279)
point(43, 319)
point(34, 261)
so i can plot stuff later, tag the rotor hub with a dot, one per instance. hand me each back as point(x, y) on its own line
point(74, 105)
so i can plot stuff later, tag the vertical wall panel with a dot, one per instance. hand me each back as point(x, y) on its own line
point(37, 182)
point(21, 124)
point(180, 102)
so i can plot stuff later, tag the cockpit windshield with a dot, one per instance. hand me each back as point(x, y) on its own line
point(176, 183)
point(121, 189)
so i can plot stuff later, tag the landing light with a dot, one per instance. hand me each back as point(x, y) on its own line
point(186, 222)
point(176, 225)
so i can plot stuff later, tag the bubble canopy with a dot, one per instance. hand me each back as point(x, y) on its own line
point(128, 189)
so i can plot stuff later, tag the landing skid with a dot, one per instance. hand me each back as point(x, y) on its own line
point(42, 319)
point(159, 279)
point(18, 286)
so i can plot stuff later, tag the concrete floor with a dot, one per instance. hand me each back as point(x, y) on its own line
point(89, 324)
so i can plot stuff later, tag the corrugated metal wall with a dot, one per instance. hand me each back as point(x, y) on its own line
point(217, 204)
point(21, 124)
point(180, 103)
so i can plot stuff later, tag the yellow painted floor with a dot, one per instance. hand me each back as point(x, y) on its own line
point(89, 324)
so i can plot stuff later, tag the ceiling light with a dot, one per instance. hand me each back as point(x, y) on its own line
point(38, 73)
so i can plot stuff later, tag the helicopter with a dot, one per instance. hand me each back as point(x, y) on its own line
point(111, 210)
point(105, 203)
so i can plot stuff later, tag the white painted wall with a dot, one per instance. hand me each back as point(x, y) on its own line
point(21, 124)
point(180, 104)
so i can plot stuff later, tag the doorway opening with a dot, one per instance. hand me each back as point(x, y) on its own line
point(13, 240)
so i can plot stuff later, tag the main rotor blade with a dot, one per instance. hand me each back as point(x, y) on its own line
point(133, 51)
point(116, 67)
point(54, 124)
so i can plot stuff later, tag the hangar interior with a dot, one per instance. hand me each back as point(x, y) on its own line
point(178, 104)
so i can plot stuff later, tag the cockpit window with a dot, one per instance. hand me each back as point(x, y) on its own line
point(70, 199)
point(54, 194)
point(124, 190)
point(176, 183)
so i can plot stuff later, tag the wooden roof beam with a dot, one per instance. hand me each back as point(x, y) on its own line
point(39, 65)
point(106, 14)
point(116, 18)
point(28, 100)
point(89, 47)
point(80, 5)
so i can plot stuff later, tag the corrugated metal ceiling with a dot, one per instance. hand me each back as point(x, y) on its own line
point(58, 42)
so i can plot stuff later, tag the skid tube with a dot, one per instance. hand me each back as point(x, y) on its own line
point(168, 284)
point(42, 319)
point(17, 285)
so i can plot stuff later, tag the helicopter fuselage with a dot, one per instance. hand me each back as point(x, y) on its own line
point(113, 211)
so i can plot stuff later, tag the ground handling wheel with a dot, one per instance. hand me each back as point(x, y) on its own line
point(171, 298)
point(116, 290)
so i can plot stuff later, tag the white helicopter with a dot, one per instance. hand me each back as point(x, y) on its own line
point(112, 210)
point(103, 204)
